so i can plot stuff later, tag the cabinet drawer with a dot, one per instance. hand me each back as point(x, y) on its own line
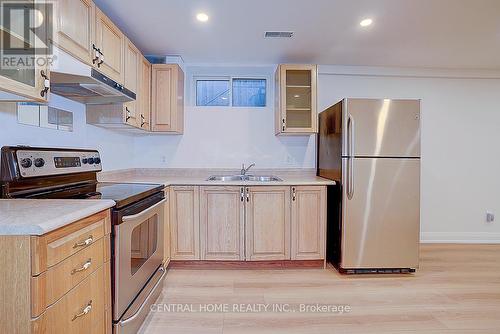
point(50, 249)
point(51, 285)
point(68, 316)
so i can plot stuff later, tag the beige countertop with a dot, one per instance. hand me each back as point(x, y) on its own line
point(199, 177)
point(40, 216)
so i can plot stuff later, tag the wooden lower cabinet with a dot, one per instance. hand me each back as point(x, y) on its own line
point(222, 222)
point(59, 282)
point(185, 222)
point(308, 223)
point(267, 223)
point(258, 223)
point(69, 315)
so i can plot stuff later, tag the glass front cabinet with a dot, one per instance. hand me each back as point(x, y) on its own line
point(24, 68)
point(296, 105)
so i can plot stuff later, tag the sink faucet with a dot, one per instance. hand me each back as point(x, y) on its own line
point(245, 170)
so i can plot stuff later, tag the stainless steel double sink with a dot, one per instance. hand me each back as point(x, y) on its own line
point(254, 178)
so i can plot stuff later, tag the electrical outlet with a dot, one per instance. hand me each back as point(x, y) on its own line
point(490, 217)
point(163, 159)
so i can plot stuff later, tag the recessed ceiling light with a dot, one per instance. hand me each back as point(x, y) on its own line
point(202, 17)
point(296, 96)
point(366, 22)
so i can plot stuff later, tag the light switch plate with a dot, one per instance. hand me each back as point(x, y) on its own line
point(490, 217)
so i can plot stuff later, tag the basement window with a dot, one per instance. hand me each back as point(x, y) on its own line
point(231, 92)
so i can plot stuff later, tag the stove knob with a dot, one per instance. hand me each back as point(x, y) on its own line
point(90, 161)
point(84, 161)
point(26, 163)
point(97, 160)
point(39, 162)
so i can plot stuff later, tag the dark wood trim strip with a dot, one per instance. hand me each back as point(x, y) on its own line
point(286, 264)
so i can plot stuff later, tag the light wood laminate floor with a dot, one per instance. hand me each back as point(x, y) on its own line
point(456, 290)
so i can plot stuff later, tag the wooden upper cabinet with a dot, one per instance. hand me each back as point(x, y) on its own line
point(132, 66)
point(308, 223)
point(74, 28)
point(111, 42)
point(132, 73)
point(144, 95)
point(222, 223)
point(267, 223)
point(296, 95)
point(167, 110)
point(185, 223)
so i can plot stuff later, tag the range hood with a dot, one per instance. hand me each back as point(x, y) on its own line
point(82, 83)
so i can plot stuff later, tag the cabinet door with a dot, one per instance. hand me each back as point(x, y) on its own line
point(222, 223)
point(167, 112)
point(297, 110)
point(111, 41)
point(185, 223)
point(144, 95)
point(74, 28)
point(132, 74)
point(308, 222)
point(24, 83)
point(267, 223)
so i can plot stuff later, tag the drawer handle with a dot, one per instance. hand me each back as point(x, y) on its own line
point(85, 311)
point(85, 242)
point(85, 266)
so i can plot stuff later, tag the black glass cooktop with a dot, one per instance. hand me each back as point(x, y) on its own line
point(122, 193)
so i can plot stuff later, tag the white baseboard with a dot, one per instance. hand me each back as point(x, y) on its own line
point(460, 237)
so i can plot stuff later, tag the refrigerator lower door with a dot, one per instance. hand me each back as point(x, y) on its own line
point(380, 213)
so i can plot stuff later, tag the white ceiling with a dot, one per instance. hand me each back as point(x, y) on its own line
point(409, 33)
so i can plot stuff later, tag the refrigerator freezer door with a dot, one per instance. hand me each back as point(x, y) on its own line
point(381, 221)
point(381, 128)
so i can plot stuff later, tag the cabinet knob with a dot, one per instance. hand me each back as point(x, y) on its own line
point(101, 61)
point(46, 83)
point(128, 114)
point(97, 54)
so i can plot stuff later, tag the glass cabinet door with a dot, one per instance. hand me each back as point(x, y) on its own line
point(21, 68)
point(297, 101)
point(298, 98)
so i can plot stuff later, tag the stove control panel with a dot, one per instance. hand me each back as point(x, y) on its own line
point(33, 163)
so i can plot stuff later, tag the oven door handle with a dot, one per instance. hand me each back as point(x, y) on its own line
point(122, 323)
point(145, 212)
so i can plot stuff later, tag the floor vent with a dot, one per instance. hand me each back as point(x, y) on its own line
point(279, 34)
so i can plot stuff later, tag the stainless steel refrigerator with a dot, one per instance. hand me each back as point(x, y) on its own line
point(372, 149)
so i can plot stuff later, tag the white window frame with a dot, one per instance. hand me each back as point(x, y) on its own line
point(197, 78)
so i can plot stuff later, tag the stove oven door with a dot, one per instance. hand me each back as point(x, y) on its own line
point(138, 247)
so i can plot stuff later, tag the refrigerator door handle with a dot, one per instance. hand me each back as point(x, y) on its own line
point(350, 177)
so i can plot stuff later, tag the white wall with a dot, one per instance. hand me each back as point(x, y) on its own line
point(112, 145)
point(226, 137)
point(460, 139)
point(460, 144)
